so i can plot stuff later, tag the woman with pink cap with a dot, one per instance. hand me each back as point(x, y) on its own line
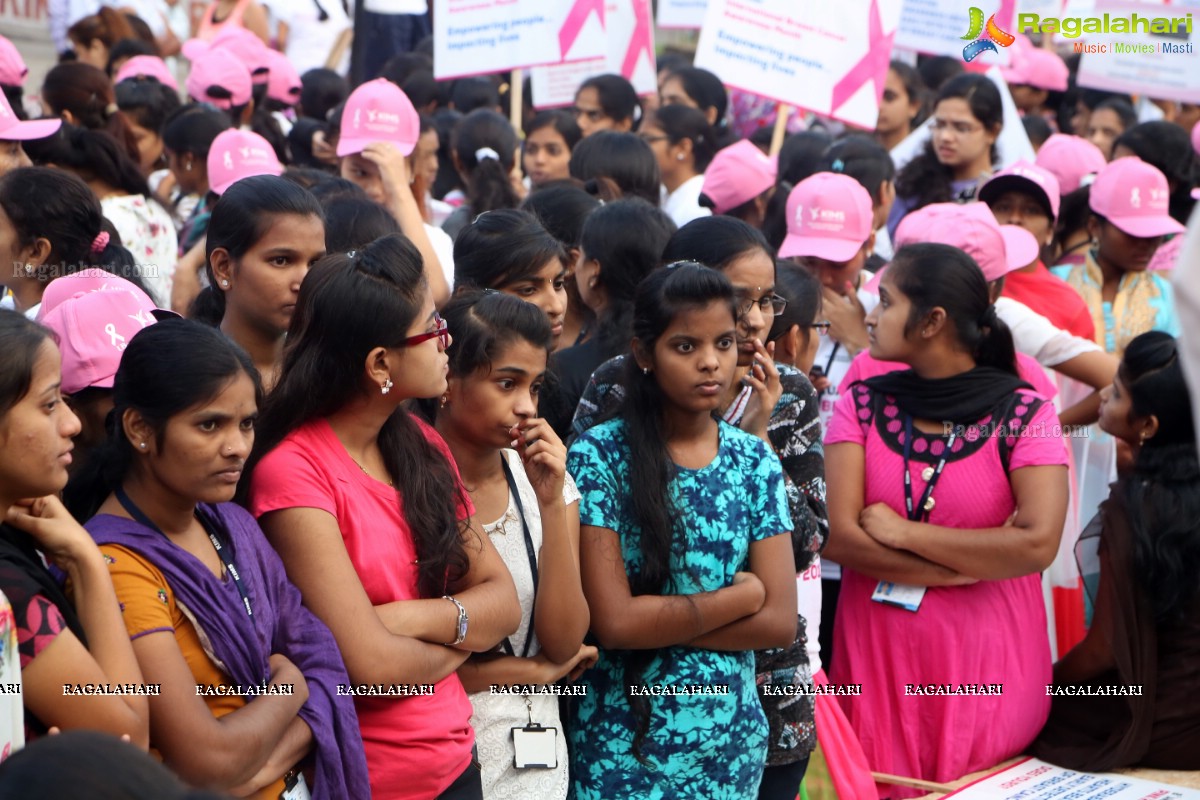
point(739, 182)
point(1129, 201)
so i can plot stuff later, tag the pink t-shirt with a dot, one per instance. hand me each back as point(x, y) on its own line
point(988, 633)
point(416, 746)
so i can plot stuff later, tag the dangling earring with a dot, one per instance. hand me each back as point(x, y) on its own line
point(386, 387)
point(445, 399)
point(645, 370)
point(1142, 438)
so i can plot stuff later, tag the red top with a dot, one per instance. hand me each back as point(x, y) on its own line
point(1053, 298)
point(417, 745)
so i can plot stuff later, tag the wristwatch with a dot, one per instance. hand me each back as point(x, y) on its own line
point(461, 629)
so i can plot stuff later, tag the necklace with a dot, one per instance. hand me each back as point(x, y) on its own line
point(369, 475)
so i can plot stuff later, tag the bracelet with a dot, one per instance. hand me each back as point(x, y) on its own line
point(461, 629)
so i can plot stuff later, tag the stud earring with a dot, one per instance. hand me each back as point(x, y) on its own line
point(142, 445)
point(29, 269)
point(386, 387)
point(445, 400)
point(679, 156)
point(225, 283)
point(645, 370)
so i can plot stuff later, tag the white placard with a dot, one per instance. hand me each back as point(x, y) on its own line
point(937, 27)
point(480, 37)
point(630, 39)
point(1165, 66)
point(1037, 779)
point(828, 58)
point(681, 13)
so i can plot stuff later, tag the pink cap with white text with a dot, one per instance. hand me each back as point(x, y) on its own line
point(237, 154)
point(829, 216)
point(1134, 196)
point(378, 111)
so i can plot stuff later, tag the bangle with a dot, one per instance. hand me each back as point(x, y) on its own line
point(461, 628)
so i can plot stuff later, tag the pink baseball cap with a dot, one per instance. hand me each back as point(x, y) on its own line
point(378, 111)
point(12, 67)
point(87, 281)
point(283, 83)
point(1023, 176)
point(1134, 196)
point(1038, 68)
point(17, 130)
point(147, 67)
point(829, 216)
point(971, 227)
point(244, 45)
point(237, 154)
point(93, 330)
point(1070, 159)
point(738, 173)
point(216, 70)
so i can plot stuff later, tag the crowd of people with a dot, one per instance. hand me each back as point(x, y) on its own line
point(356, 442)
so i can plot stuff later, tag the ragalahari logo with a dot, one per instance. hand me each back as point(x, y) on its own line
point(985, 38)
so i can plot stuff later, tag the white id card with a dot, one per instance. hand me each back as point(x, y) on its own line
point(899, 595)
point(534, 747)
point(296, 789)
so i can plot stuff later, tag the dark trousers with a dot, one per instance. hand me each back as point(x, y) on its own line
point(829, 600)
point(467, 786)
point(782, 782)
point(380, 36)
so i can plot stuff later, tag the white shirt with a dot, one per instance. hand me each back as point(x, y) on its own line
point(396, 6)
point(1036, 336)
point(683, 204)
point(309, 40)
point(443, 248)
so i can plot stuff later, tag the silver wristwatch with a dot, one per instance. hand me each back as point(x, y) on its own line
point(461, 629)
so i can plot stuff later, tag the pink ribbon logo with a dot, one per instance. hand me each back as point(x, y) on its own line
point(871, 67)
point(575, 20)
point(642, 39)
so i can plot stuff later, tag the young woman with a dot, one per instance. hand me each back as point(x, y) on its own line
point(679, 595)
point(621, 243)
point(364, 504)
point(549, 140)
point(94, 35)
point(1166, 146)
point(83, 95)
point(1130, 219)
point(205, 601)
point(50, 226)
point(497, 369)
point(613, 165)
point(927, 547)
point(797, 331)
point(901, 106)
point(1107, 122)
point(188, 135)
point(606, 103)
point(866, 161)
point(147, 104)
point(699, 88)
point(221, 14)
point(264, 234)
point(60, 642)
point(145, 226)
point(777, 404)
point(511, 252)
point(684, 145)
point(967, 119)
point(484, 151)
point(1147, 618)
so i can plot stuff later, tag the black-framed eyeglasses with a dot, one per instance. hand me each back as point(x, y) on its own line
point(772, 305)
point(442, 334)
point(822, 328)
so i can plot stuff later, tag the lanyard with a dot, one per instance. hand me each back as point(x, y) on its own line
point(222, 552)
point(533, 569)
point(921, 513)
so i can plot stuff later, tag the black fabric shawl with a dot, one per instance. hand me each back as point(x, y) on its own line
point(962, 399)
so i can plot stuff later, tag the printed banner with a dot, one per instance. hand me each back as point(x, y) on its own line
point(681, 13)
point(1032, 778)
point(479, 37)
point(1138, 49)
point(629, 36)
point(957, 28)
point(812, 54)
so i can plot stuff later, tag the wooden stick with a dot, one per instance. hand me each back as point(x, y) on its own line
point(516, 94)
point(913, 783)
point(781, 120)
point(339, 48)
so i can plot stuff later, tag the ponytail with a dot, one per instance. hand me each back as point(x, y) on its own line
point(86, 92)
point(996, 348)
point(485, 145)
point(209, 305)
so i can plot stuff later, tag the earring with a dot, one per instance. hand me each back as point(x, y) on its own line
point(1142, 438)
point(142, 445)
point(188, 165)
point(29, 269)
point(645, 370)
point(679, 156)
point(386, 387)
point(225, 283)
point(445, 399)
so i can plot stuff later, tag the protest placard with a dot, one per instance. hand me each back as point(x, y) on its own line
point(681, 13)
point(1032, 778)
point(1154, 54)
point(938, 27)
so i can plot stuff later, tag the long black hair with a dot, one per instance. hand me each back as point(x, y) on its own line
point(239, 220)
point(93, 155)
point(488, 184)
point(933, 275)
point(613, 165)
point(661, 297)
point(22, 339)
point(352, 222)
point(863, 159)
point(715, 242)
point(685, 122)
point(167, 368)
point(927, 180)
point(802, 290)
point(347, 307)
point(627, 238)
point(1164, 491)
point(707, 91)
point(503, 247)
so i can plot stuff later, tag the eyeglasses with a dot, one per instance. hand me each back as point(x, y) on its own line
point(959, 128)
point(442, 334)
point(822, 328)
point(768, 305)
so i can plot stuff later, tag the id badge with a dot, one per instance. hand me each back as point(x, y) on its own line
point(296, 788)
point(534, 747)
point(898, 595)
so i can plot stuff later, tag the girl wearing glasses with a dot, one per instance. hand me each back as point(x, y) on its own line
point(364, 504)
point(776, 403)
point(264, 234)
point(958, 158)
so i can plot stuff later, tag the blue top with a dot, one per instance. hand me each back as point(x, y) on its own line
point(711, 744)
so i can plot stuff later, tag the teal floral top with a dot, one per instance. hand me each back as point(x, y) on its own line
point(708, 733)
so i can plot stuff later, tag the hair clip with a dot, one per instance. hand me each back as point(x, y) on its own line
point(838, 165)
point(351, 253)
point(484, 153)
point(683, 263)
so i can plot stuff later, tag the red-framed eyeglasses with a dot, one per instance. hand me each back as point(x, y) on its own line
point(442, 334)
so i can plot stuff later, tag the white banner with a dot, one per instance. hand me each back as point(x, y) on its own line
point(1037, 779)
point(950, 27)
point(681, 13)
point(814, 55)
point(1164, 65)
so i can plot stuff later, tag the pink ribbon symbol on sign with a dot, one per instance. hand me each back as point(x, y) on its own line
point(573, 24)
point(871, 67)
point(640, 41)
